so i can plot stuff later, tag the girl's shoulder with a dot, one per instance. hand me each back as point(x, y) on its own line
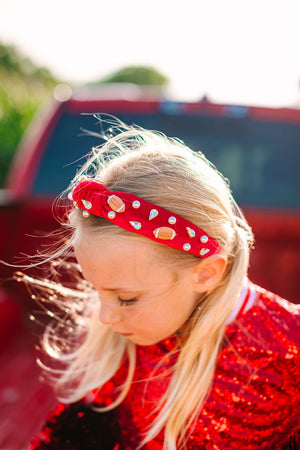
point(258, 374)
point(264, 340)
point(270, 319)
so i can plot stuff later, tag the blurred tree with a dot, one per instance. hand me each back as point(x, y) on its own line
point(141, 75)
point(23, 87)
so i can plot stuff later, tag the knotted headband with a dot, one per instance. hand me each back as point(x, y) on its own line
point(139, 216)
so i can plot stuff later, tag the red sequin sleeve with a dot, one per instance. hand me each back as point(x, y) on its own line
point(255, 399)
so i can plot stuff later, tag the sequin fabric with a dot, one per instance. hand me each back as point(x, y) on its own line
point(255, 398)
point(78, 427)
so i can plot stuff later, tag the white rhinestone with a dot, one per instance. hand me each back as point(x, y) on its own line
point(136, 204)
point(186, 247)
point(204, 239)
point(204, 251)
point(85, 213)
point(75, 204)
point(190, 232)
point(136, 225)
point(70, 196)
point(111, 215)
point(172, 220)
point(153, 213)
point(87, 204)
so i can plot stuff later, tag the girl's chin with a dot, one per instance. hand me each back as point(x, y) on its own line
point(140, 341)
point(144, 341)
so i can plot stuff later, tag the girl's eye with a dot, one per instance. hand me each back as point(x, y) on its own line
point(127, 302)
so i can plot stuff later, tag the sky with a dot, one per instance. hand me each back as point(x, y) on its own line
point(233, 51)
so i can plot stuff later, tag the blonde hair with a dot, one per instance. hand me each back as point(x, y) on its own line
point(165, 172)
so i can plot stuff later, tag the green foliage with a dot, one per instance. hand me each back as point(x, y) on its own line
point(23, 87)
point(15, 118)
point(12, 62)
point(141, 75)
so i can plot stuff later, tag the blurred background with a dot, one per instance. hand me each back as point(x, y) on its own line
point(223, 76)
point(238, 52)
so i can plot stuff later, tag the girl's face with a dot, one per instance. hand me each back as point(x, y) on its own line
point(140, 297)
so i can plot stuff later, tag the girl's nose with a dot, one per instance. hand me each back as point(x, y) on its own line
point(109, 315)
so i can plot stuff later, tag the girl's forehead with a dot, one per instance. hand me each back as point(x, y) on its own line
point(118, 260)
point(110, 245)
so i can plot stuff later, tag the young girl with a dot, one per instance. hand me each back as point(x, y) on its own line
point(165, 344)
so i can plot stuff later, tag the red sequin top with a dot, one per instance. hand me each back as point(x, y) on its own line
point(255, 398)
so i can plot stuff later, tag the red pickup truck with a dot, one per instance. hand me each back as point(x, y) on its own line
point(256, 148)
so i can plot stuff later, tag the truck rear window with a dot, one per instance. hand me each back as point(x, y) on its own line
point(260, 158)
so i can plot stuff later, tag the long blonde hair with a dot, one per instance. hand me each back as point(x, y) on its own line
point(165, 172)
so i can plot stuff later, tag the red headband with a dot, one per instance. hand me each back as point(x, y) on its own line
point(139, 216)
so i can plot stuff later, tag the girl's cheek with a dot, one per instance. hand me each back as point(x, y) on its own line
point(136, 314)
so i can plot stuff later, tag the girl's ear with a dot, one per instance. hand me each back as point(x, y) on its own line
point(208, 272)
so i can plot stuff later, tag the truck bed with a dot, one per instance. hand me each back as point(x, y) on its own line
point(24, 399)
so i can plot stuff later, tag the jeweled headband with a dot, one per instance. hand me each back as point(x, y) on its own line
point(139, 216)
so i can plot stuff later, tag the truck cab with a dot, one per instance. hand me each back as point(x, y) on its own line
point(256, 148)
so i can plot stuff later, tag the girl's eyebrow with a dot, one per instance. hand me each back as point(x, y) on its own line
point(121, 289)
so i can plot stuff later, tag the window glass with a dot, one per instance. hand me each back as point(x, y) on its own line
point(261, 159)
point(68, 145)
